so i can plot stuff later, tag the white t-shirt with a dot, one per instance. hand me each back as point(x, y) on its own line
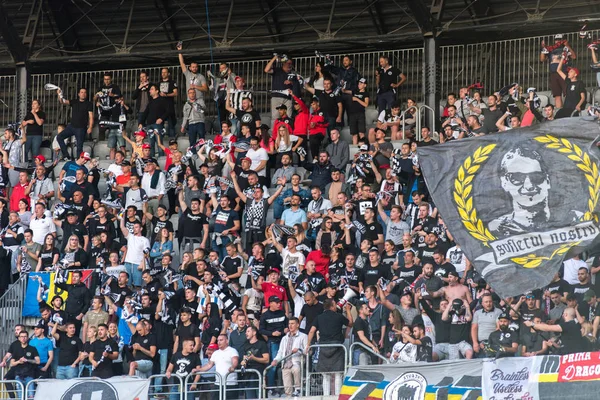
point(41, 227)
point(457, 258)
point(223, 361)
point(135, 248)
point(290, 259)
point(571, 267)
point(257, 156)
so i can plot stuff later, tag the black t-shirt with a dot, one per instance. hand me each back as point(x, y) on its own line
point(168, 87)
point(278, 82)
point(361, 325)
point(561, 286)
point(47, 257)
point(571, 339)
point(442, 271)
point(331, 325)
point(373, 230)
point(408, 274)
point(187, 332)
point(79, 113)
point(257, 350)
point(386, 78)
point(355, 106)
point(230, 266)
point(77, 229)
point(193, 224)
point(69, 349)
point(183, 365)
point(573, 93)
point(329, 104)
point(310, 313)
point(425, 254)
point(425, 349)
point(27, 369)
point(315, 281)
point(158, 224)
point(250, 118)
point(351, 277)
point(491, 117)
point(122, 291)
point(146, 342)
point(370, 275)
point(104, 369)
point(35, 129)
point(580, 289)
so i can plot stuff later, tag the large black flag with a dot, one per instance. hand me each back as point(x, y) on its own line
point(519, 202)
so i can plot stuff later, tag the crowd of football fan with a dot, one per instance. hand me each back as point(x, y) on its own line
point(360, 253)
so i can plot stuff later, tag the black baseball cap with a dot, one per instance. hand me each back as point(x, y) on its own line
point(125, 162)
point(275, 299)
point(504, 315)
point(281, 107)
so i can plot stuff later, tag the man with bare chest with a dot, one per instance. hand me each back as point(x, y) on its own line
point(454, 290)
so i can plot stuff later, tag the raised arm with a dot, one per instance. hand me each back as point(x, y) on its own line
point(236, 186)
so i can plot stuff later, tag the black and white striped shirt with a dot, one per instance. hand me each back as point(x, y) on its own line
point(237, 96)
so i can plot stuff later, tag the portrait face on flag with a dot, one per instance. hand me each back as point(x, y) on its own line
point(519, 203)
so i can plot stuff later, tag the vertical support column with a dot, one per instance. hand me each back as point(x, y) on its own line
point(431, 83)
point(22, 93)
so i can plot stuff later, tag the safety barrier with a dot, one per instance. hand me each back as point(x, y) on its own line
point(245, 384)
point(281, 388)
point(11, 311)
point(11, 389)
point(161, 385)
point(210, 384)
point(320, 383)
point(366, 349)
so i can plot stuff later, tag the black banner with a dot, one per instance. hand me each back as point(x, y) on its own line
point(519, 202)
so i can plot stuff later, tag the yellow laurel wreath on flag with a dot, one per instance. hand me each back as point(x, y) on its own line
point(463, 187)
point(463, 198)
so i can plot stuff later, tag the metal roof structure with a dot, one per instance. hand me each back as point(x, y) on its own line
point(64, 35)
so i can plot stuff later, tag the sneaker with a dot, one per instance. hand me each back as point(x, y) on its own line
point(271, 394)
point(296, 393)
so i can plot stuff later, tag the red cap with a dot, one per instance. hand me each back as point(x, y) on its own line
point(86, 155)
point(145, 146)
point(140, 133)
point(246, 159)
point(574, 69)
point(41, 158)
point(239, 78)
point(213, 346)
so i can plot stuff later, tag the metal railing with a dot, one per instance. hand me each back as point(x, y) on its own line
point(279, 365)
point(210, 383)
point(9, 389)
point(244, 385)
point(319, 383)
point(11, 311)
point(161, 385)
point(364, 348)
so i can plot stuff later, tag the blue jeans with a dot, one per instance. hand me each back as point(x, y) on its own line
point(24, 381)
point(195, 132)
point(134, 273)
point(83, 367)
point(273, 349)
point(32, 144)
point(67, 133)
point(278, 207)
point(221, 249)
point(385, 100)
point(66, 372)
point(153, 146)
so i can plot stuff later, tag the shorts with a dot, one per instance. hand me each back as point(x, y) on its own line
point(357, 123)
point(557, 84)
point(441, 349)
point(454, 350)
point(115, 139)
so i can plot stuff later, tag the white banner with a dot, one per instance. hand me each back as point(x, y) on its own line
point(509, 378)
point(118, 388)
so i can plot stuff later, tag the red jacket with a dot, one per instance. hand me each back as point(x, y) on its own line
point(287, 122)
point(301, 119)
point(317, 124)
point(321, 262)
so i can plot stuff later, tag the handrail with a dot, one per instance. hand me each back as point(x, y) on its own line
point(432, 127)
point(11, 311)
point(152, 392)
point(300, 352)
point(417, 120)
point(15, 383)
point(242, 387)
point(218, 384)
point(368, 350)
point(307, 363)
